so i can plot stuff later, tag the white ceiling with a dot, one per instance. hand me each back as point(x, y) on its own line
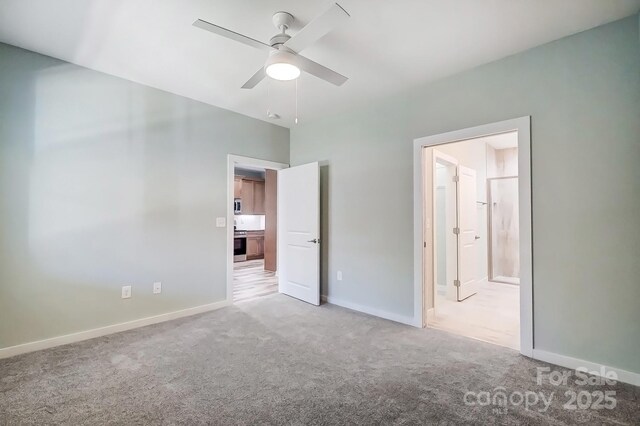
point(385, 47)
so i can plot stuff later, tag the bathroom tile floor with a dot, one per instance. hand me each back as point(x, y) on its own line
point(491, 315)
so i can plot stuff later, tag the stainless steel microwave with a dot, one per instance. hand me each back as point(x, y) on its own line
point(237, 206)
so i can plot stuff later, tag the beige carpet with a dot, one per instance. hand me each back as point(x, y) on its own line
point(276, 360)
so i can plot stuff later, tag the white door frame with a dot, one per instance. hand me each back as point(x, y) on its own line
point(234, 161)
point(523, 126)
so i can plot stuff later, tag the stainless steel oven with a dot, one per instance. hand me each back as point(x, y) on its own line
point(240, 247)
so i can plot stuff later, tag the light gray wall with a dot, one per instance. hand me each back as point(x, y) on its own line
point(104, 183)
point(583, 94)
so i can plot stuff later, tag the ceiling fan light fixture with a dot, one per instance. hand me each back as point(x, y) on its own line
point(281, 66)
point(283, 72)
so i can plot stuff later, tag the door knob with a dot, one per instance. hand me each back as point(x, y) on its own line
point(314, 241)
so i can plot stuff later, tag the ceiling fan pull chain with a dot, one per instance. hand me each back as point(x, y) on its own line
point(296, 120)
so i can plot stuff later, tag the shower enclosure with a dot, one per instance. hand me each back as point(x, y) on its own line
point(504, 241)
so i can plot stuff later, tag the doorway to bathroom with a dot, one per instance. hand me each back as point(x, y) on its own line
point(472, 250)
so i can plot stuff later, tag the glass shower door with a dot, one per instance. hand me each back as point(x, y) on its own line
point(504, 240)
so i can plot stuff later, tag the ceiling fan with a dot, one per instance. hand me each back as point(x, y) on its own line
point(284, 61)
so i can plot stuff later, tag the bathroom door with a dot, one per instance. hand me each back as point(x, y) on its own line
point(466, 233)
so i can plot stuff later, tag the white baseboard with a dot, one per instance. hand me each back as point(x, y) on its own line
point(541, 355)
point(110, 329)
point(371, 311)
point(573, 363)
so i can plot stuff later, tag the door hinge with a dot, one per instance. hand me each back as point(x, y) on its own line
point(424, 244)
point(456, 178)
point(456, 231)
point(456, 283)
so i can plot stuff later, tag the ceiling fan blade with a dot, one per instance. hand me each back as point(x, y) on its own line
point(320, 71)
point(317, 28)
point(255, 79)
point(231, 34)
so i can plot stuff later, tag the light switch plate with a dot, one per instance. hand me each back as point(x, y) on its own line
point(221, 222)
point(339, 275)
point(157, 288)
point(126, 291)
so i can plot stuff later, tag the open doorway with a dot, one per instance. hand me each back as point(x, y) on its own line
point(253, 244)
point(474, 223)
point(475, 236)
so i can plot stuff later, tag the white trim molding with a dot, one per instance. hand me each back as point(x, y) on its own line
point(109, 329)
point(370, 311)
point(523, 126)
point(593, 367)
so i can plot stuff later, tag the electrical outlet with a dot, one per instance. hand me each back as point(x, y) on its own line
point(126, 291)
point(221, 222)
point(157, 288)
point(339, 275)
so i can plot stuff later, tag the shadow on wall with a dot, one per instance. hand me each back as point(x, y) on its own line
point(97, 196)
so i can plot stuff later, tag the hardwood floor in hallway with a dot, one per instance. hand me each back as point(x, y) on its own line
point(251, 281)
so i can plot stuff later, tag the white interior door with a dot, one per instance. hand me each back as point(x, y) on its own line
point(299, 232)
point(467, 231)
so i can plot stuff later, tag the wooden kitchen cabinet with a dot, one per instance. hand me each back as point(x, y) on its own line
point(247, 196)
point(237, 187)
point(261, 247)
point(251, 194)
point(255, 246)
point(252, 248)
point(258, 197)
